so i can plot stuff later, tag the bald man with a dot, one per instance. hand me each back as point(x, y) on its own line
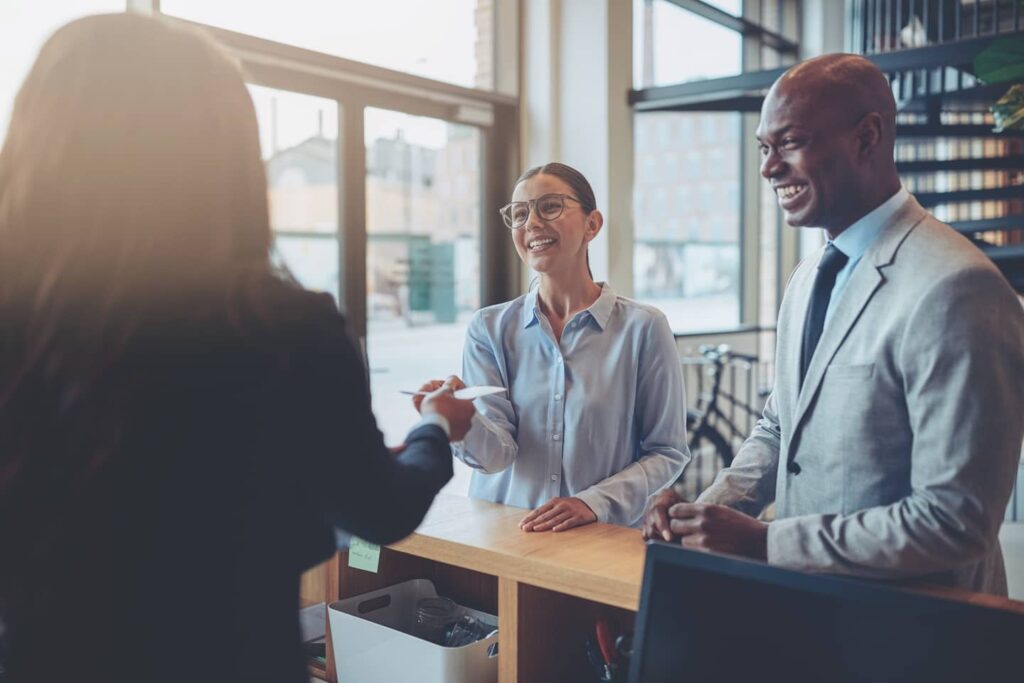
point(891, 439)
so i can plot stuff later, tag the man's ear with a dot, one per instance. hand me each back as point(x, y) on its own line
point(869, 133)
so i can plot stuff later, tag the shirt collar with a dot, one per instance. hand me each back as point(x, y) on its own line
point(856, 239)
point(600, 310)
point(531, 313)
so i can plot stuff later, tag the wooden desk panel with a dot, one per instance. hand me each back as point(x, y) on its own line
point(599, 562)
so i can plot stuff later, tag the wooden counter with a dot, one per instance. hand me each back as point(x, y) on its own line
point(547, 589)
point(599, 562)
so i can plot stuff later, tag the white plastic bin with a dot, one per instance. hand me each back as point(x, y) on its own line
point(372, 645)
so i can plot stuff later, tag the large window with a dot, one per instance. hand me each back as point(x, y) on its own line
point(686, 257)
point(449, 41)
point(24, 26)
point(299, 140)
point(661, 29)
point(376, 180)
point(707, 248)
point(423, 191)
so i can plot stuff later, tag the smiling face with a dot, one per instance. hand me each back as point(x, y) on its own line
point(549, 246)
point(809, 155)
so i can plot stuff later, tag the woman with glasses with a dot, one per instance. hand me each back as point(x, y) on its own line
point(593, 420)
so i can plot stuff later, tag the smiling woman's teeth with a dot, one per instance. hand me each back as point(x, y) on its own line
point(540, 244)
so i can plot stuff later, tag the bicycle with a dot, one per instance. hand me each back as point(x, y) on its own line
point(709, 428)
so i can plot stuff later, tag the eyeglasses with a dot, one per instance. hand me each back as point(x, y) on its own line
point(548, 207)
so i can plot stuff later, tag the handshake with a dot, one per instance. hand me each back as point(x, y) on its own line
point(437, 399)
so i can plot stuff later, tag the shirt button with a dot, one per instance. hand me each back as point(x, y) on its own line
point(558, 397)
point(558, 360)
point(556, 437)
point(554, 477)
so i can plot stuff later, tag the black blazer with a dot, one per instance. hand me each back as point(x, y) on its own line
point(245, 444)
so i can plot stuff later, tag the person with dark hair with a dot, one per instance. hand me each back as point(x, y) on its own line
point(593, 422)
point(891, 438)
point(181, 428)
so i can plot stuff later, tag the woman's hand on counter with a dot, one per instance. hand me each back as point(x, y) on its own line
point(558, 514)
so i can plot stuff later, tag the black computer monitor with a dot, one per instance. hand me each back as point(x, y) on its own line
point(714, 618)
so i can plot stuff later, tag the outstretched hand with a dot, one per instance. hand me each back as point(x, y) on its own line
point(459, 413)
point(450, 384)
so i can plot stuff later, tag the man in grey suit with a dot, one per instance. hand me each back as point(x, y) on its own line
point(890, 442)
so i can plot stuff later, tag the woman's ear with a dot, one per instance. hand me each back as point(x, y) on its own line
point(594, 223)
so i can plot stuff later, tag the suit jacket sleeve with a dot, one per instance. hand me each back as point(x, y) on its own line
point(748, 484)
point(962, 363)
point(360, 486)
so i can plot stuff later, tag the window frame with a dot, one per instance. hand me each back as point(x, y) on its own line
point(762, 49)
point(355, 86)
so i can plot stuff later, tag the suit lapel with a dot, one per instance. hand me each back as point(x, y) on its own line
point(791, 337)
point(867, 277)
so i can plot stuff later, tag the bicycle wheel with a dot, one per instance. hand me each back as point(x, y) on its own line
point(710, 452)
point(721, 445)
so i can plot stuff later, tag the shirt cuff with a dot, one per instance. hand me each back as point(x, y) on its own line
point(595, 501)
point(437, 420)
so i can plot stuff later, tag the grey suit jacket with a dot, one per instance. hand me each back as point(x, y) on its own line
point(909, 423)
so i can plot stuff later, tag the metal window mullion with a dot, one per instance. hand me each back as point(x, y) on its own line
point(886, 25)
point(899, 23)
point(925, 18)
point(352, 234)
point(145, 7)
point(500, 266)
point(911, 16)
point(748, 197)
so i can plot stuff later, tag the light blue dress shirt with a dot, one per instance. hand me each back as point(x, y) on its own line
point(600, 416)
point(855, 240)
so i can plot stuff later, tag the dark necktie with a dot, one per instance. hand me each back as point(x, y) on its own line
point(831, 263)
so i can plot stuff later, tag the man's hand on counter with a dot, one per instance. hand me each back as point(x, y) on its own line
point(558, 514)
point(700, 526)
point(719, 529)
point(656, 522)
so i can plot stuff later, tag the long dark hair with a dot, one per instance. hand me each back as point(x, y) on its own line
point(131, 191)
point(575, 180)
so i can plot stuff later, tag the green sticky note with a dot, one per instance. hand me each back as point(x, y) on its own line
point(363, 555)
